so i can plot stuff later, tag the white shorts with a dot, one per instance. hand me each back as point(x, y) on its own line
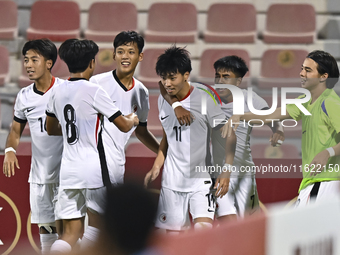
point(174, 206)
point(73, 203)
point(43, 199)
point(318, 192)
point(241, 199)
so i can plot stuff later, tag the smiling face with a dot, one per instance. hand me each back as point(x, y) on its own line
point(127, 57)
point(310, 77)
point(176, 84)
point(223, 76)
point(36, 65)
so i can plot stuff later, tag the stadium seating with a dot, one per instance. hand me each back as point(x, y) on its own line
point(24, 148)
point(4, 64)
point(56, 20)
point(209, 56)
point(107, 19)
point(265, 150)
point(154, 124)
point(281, 68)
point(147, 74)
point(104, 61)
point(26, 131)
point(226, 23)
point(8, 20)
point(138, 149)
point(172, 22)
point(290, 23)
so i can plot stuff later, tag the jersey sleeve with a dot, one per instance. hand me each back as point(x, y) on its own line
point(215, 115)
point(104, 105)
point(143, 111)
point(294, 111)
point(19, 115)
point(333, 108)
point(50, 110)
point(258, 102)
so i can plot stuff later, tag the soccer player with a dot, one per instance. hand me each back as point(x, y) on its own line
point(79, 105)
point(185, 181)
point(129, 95)
point(320, 130)
point(30, 106)
point(242, 197)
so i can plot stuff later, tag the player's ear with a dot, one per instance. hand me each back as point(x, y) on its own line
point(186, 76)
point(114, 55)
point(323, 77)
point(92, 64)
point(238, 81)
point(141, 55)
point(49, 64)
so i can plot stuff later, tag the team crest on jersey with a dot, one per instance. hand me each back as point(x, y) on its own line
point(134, 108)
point(162, 217)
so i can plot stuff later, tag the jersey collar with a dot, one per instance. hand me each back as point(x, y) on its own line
point(120, 83)
point(40, 92)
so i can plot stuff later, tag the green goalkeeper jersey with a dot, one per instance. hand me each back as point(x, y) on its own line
point(319, 132)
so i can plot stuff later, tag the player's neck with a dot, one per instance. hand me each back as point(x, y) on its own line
point(227, 99)
point(183, 92)
point(83, 75)
point(125, 79)
point(317, 91)
point(44, 82)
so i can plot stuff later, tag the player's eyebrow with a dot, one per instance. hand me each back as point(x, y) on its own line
point(306, 67)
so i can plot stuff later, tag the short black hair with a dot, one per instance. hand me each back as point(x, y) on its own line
point(232, 63)
point(129, 216)
point(78, 54)
point(126, 37)
point(173, 60)
point(43, 47)
point(326, 64)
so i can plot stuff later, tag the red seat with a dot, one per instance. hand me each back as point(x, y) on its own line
point(26, 131)
point(147, 68)
point(231, 23)
point(55, 20)
point(8, 20)
point(138, 150)
point(265, 150)
point(104, 61)
point(290, 23)
point(24, 148)
point(172, 22)
point(154, 124)
point(209, 57)
point(4, 65)
point(281, 68)
point(107, 19)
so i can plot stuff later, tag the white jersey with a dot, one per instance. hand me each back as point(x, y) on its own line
point(185, 163)
point(77, 104)
point(243, 153)
point(134, 100)
point(30, 106)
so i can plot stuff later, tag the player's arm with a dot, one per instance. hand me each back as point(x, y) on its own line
point(235, 120)
point(52, 125)
point(159, 161)
point(278, 135)
point(222, 182)
point(10, 160)
point(183, 116)
point(125, 123)
point(147, 138)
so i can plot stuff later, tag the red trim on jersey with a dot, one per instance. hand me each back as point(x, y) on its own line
point(133, 84)
point(52, 83)
point(190, 90)
point(97, 126)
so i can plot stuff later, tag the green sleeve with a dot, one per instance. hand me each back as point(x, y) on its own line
point(333, 108)
point(294, 112)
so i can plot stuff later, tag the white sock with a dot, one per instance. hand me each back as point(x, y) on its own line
point(89, 238)
point(202, 225)
point(46, 241)
point(61, 246)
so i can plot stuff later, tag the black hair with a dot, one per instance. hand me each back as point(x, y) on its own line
point(326, 64)
point(78, 54)
point(173, 60)
point(126, 37)
point(232, 63)
point(43, 47)
point(129, 216)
